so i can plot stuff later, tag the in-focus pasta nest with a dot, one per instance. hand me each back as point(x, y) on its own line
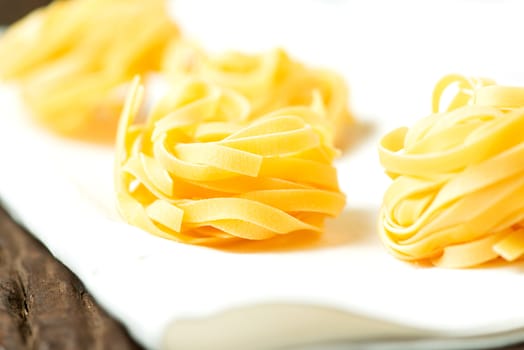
point(198, 171)
point(458, 178)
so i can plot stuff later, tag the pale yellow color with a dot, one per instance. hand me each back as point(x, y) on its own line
point(72, 59)
point(198, 171)
point(270, 81)
point(458, 178)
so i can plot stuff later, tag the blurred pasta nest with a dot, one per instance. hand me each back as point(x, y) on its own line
point(72, 58)
point(197, 169)
point(270, 80)
point(458, 178)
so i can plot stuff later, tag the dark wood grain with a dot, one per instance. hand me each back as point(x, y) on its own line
point(11, 10)
point(43, 305)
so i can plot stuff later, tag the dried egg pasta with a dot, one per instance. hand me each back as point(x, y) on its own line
point(270, 81)
point(72, 58)
point(458, 178)
point(198, 171)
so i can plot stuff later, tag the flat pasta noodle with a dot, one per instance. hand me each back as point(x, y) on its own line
point(74, 59)
point(458, 178)
point(270, 81)
point(199, 171)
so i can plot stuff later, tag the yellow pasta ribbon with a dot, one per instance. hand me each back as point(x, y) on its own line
point(199, 171)
point(458, 178)
point(73, 59)
point(270, 81)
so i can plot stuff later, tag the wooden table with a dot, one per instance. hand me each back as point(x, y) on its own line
point(43, 305)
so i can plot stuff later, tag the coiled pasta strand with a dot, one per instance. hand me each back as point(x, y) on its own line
point(458, 178)
point(199, 171)
point(270, 81)
point(73, 59)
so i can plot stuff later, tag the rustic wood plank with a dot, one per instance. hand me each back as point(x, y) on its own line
point(11, 10)
point(43, 305)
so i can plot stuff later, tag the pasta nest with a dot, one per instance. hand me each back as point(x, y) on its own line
point(270, 80)
point(198, 170)
point(458, 178)
point(72, 58)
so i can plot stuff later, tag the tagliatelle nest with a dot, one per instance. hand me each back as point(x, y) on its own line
point(270, 81)
point(458, 189)
point(72, 58)
point(198, 171)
